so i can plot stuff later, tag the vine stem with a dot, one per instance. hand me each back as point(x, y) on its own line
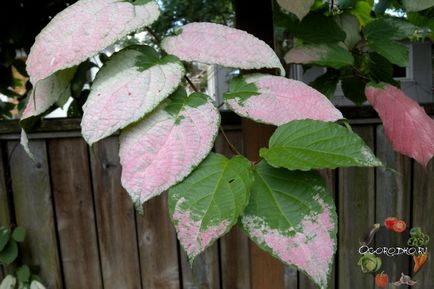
point(231, 146)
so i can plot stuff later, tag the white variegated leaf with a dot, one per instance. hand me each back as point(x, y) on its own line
point(84, 29)
point(167, 145)
point(218, 44)
point(131, 84)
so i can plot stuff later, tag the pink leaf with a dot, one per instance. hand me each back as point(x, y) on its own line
point(47, 92)
point(163, 149)
point(280, 100)
point(84, 29)
point(406, 124)
point(218, 44)
point(123, 93)
point(300, 8)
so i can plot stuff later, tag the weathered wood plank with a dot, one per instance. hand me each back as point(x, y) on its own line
point(4, 207)
point(157, 246)
point(423, 208)
point(393, 199)
point(115, 218)
point(234, 247)
point(356, 214)
point(205, 271)
point(74, 206)
point(34, 210)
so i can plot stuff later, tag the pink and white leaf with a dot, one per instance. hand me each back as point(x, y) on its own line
point(83, 30)
point(123, 93)
point(163, 149)
point(218, 44)
point(280, 100)
point(300, 8)
point(47, 92)
point(408, 127)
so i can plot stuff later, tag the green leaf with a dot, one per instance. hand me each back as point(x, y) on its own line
point(389, 28)
point(9, 252)
point(291, 216)
point(239, 88)
point(380, 69)
point(327, 83)
point(393, 51)
point(317, 28)
point(344, 4)
point(417, 5)
point(354, 89)
point(362, 10)
point(350, 25)
point(208, 203)
point(19, 234)
point(310, 144)
point(23, 273)
point(4, 237)
point(329, 55)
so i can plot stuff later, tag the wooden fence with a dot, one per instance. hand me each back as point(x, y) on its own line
point(84, 233)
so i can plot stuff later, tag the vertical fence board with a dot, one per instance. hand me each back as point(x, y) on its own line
point(34, 210)
point(4, 207)
point(234, 254)
point(356, 214)
point(423, 208)
point(205, 271)
point(75, 213)
point(115, 219)
point(393, 199)
point(157, 245)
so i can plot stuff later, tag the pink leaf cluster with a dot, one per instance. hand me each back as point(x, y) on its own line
point(84, 29)
point(309, 246)
point(218, 44)
point(163, 149)
point(282, 100)
point(406, 124)
point(195, 239)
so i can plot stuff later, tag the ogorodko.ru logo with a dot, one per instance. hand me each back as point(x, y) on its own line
point(416, 247)
point(393, 251)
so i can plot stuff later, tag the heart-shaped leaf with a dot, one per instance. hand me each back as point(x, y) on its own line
point(208, 202)
point(330, 55)
point(300, 8)
point(9, 253)
point(19, 234)
point(130, 85)
point(164, 147)
point(406, 124)
point(278, 100)
point(218, 44)
point(310, 144)
point(291, 215)
point(83, 30)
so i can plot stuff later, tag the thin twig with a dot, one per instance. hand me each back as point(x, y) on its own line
point(191, 83)
point(231, 146)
